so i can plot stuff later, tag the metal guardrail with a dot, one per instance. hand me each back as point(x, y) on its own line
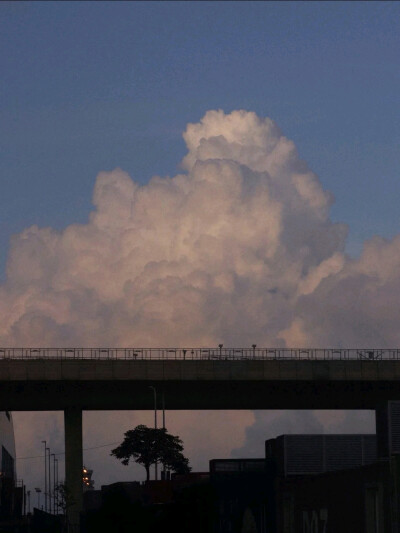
point(220, 353)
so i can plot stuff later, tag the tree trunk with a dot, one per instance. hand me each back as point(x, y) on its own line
point(147, 467)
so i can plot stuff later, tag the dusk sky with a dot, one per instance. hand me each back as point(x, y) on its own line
point(273, 131)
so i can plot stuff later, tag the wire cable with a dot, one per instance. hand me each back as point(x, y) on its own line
point(63, 453)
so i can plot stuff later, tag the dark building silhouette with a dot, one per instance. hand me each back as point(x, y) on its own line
point(11, 491)
point(181, 504)
point(244, 494)
point(388, 429)
point(356, 500)
point(345, 483)
point(315, 454)
point(258, 496)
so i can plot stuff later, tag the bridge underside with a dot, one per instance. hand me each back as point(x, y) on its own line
point(45, 384)
point(198, 395)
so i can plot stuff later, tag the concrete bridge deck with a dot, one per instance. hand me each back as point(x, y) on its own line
point(57, 384)
point(77, 379)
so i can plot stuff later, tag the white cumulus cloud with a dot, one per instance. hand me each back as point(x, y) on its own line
point(238, 248)
point(217, 254)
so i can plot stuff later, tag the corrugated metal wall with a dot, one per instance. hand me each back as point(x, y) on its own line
point(315, 454)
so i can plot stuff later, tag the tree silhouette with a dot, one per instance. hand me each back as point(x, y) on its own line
point(147, 446)
point(64, 500)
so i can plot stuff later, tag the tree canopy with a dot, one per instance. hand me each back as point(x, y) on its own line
point(147, 446)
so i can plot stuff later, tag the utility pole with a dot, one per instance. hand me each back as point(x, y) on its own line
point(49, 485)
point(155, 426)
point(38, 491)
point(163, 473)
point(54, 482)
point(163, 410)
point(45, 475)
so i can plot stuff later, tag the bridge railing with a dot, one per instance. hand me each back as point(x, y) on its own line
point(211, 354)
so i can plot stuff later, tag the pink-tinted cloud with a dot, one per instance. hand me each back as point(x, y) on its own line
point(238, 248)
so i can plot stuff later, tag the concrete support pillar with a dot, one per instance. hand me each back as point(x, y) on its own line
point(73, 466)
point(382, 427)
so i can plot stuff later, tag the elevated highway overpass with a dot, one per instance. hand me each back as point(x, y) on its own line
point(49, 385)
point(80, 379)
point(203, 378)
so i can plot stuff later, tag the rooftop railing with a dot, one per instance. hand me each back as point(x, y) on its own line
point(198, 354)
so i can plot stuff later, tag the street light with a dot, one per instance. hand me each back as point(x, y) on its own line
point(45, 475)
point(163, 423)
point(54, 483)
point(155, 425)
point(49, 480)
point(28, 493)
point(38, 496)
point(155, 405)
point(163, 410)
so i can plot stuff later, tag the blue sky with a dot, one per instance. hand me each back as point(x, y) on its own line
point(92, 86)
